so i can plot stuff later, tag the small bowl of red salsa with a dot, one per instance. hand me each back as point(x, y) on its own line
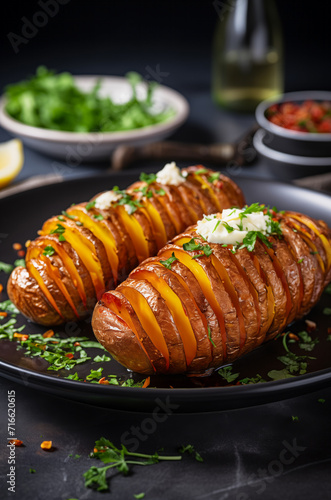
point(307, 116)
point(297, 123)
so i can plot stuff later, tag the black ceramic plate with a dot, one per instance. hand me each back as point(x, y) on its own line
point(23, 214)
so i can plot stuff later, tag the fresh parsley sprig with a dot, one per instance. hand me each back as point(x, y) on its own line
point(167, 263)
point(192, 246)
point(119, 458)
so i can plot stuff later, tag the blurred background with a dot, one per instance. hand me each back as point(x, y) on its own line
point(170, 42)
point(117, 36)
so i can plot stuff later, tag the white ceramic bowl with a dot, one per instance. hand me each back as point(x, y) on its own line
point(97, 146)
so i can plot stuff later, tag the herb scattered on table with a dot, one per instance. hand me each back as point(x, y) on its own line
point(120, 458)
point(189, 448)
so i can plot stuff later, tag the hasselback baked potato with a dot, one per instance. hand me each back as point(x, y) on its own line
point(93, 246)
point(216, 291)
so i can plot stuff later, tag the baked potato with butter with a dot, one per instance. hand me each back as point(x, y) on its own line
point(198, 305)
point(93, 246)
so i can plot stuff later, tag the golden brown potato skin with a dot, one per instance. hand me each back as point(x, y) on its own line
point(232, 308)
point(93, 250)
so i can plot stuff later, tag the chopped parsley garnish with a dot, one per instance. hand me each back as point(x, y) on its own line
point(307, 343)
point(294, 364)
point(62, 238)
point(201, 171)
point(214, 177)
point(95, 374)
point(216, 226)
point(101, 359)
point(279, 374)
point(192, 246)
point(300, 261)
point(74, 376)
point(160, 192)
point(327, 311)
point(227, 227)
point(209, 336)
point(167, 263)
point(252, 380)
point(121, 458)
point(49, 251)
point(321, 400)
point(328, 289)
point(145, 191)
point(90, 205)
point(295, 418)
point(139, 496)
point(59, 229)
point(226, 374)
point(73, 217)
point(250, 240)
point(148, 178)
point(98, 216)
point(130, 202)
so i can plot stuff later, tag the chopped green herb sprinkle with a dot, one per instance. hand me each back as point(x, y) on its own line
point(49, 251)
point(167, 263)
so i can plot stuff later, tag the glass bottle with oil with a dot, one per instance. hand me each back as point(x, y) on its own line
point(247, 54)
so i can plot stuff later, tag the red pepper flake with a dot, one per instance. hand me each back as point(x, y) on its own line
point(69, 355)
point(293, 336)
point(103, 381)
point(15, 442)
point(4, 314)
point(46, 445)
point(48, 334)
point(21, 253)
point(146, 383)
point(219, 184)
point(17, 246)
point(311, 325)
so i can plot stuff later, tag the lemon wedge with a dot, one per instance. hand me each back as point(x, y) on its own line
point(11, 161)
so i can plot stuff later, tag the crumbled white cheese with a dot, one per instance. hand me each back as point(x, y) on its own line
point(105, 199)
point(213, 227)
point(170, 175)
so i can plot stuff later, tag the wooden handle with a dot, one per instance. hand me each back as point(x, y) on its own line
point(170, 151)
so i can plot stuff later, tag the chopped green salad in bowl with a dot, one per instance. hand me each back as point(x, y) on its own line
point(54, 113)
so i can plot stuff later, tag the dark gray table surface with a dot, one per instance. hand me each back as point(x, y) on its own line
point(258, 452)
